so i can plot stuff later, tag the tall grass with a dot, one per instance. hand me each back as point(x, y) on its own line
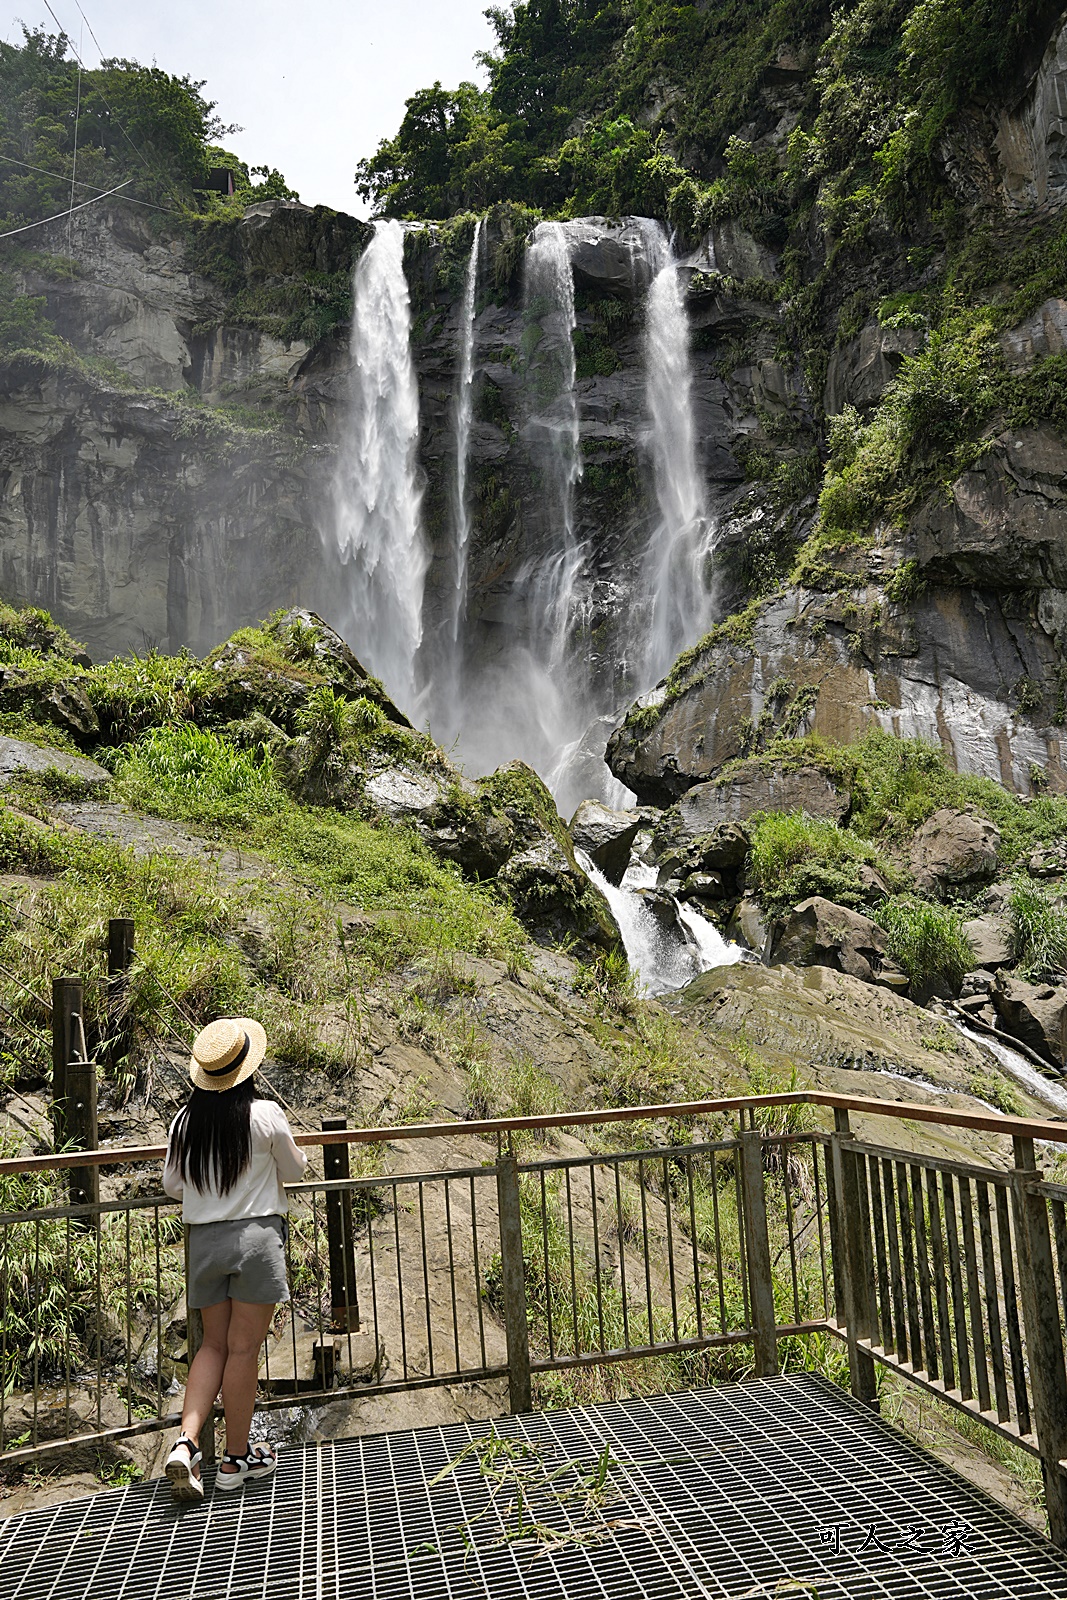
point(794, 856)
point(183, 770)
point(928, 941)
point(49, 1271)
point(1037, 925)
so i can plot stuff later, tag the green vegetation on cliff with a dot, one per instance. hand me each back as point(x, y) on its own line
point(635, 106)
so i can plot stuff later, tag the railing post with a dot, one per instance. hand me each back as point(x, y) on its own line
point(1044, 1342)
point(513, 1277)
point(120, 951)
point(758, 1254)
point(850, 1245)
point(66, 1004)
point(340, 1237)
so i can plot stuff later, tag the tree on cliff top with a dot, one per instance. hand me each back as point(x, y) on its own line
point(133, 122)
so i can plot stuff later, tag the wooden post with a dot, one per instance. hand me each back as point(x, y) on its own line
point(80, 1119)
point(758, 1254)
point(67, 1000)
point(121, 933)
point(1044, 1341)
point(513, 1275)
point(852, 1272)
point(340, 1234)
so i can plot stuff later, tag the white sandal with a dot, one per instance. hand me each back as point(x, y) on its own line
point(185, 1482)
point(260, 1462)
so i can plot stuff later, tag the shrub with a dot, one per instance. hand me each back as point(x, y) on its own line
point(1037, 931)
point(929, 943)
point(133, 693)
point(794, 856)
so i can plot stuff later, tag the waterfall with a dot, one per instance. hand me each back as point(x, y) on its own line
point(379, 539)
point(533, 697)
point(448, 686)
point(674, 576)
point(552, 437)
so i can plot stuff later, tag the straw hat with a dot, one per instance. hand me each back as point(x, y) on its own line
point(227, 1052)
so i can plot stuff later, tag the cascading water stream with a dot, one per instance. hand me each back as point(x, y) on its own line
point(674, 575)
point(378, 536)
point(1015, 1064)
point(661, 961)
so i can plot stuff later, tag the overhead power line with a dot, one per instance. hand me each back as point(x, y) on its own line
point(59, 215)
point(61, 177)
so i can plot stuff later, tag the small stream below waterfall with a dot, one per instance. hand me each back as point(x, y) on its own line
point(661, 959)
point(1024, 1073)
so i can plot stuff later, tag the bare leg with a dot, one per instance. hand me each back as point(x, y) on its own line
point(247, 1330)
point(205, 1374)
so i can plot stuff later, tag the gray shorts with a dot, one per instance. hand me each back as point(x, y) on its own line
point(242, 1260)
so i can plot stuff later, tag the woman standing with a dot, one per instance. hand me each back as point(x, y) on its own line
point(228, 1155)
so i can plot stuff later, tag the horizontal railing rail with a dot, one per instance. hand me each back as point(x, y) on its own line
point(1049, 1130)
point(651, 1263)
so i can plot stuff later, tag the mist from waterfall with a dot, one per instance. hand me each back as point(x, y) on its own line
point(532, 696)
point(674, 574)
point(383, 554)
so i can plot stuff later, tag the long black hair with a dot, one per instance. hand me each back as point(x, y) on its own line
point(212, 1138)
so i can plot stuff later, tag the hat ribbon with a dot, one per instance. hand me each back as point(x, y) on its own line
point(231, 1066)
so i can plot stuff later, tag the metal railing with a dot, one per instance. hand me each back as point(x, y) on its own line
point(674, 1262)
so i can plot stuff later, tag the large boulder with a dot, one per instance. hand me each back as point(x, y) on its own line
point(273, 669)
point(554, 898)
point(989, 940)
point(606, 836)
point(17, 755)
point(747, 926)
point(818, 933)
point(953, 849)
point(64, 704)
point(707, 807)
point(1036, 1013)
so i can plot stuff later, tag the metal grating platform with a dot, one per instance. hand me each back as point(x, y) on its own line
point(767, 1488)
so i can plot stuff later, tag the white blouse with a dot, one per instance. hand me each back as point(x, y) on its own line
point(258, 1191)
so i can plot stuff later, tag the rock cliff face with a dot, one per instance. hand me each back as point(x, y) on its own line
point(947, 623)
point(176, 481)
point(172, 483)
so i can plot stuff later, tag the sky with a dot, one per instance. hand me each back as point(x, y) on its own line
point(313, 85)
